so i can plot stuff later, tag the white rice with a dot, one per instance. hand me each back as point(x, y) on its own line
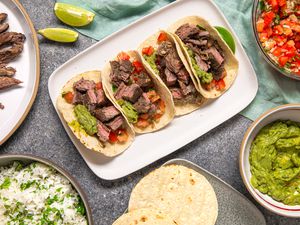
point(38, 194)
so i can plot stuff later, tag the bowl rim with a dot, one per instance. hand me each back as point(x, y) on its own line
point(267, 58)
point(62, 171)
point(247, 134)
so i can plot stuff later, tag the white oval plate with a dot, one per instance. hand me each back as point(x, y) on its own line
point(148, 148)
point(18, 101)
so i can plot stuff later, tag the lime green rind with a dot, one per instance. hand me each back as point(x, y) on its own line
point(73, 15)
point(227, 37)
point(59, 34)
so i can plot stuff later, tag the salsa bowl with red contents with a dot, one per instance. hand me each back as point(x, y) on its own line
point(276, 25)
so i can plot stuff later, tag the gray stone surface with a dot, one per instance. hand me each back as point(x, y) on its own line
point(43, 135)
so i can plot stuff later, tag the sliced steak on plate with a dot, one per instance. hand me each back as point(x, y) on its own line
point(116, 123)
point(143, 104)
point(103, 132)
point(106, 113)
point(84, 85)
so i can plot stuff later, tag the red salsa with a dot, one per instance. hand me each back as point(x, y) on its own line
point(278, 28)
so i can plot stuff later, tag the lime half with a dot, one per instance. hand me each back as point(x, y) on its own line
point(73, 15)
point(227, 37)
point(59, 34)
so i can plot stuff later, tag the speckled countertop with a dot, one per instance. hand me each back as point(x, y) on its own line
point(42, 134)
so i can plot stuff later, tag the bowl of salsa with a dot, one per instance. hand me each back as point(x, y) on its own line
point(276, 25)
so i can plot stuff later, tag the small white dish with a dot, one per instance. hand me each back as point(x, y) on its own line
point(284, 112)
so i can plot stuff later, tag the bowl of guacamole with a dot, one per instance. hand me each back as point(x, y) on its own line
point(270, 160)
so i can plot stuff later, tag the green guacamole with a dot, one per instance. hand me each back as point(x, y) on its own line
point(129, 110)
point(85, 119)
point(205, 77)
point(151, 61)
point(275, 161)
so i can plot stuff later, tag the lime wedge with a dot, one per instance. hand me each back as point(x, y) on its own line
point(73, 15)
point(59, 34)
point(227, 37)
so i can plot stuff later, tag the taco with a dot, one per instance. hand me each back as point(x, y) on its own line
point(141, 97)
point(163, 56)
point(92, 117)
point(212, 62)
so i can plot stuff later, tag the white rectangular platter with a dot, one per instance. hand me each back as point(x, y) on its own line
point(148, 148)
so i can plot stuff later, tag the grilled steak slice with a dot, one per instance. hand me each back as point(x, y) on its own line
point(152, 110)
point(132, 93)
point(120, 73)
point(203, 34)
point(203, 66)
point(199, 43)
point(79, 98)
point(194, 49)
point(116, 123)
point(219, 73)
point(84, 85)
point(186, 89)
point(176, 93)
point(103, 132)
point(3, 27)
point(170, 77)
point(106, 113)
point(126, 66)
point(3, 17)
point(7, 82)
point(164, 48)
point(7, 71)
point(186, 31)
point(91, 96)
point(143, 104)
point(215, 57)
point(183, 75)
point(143, 80)
point(11, 45)
point(173, 62)
point(120, 91)
point(101, 99)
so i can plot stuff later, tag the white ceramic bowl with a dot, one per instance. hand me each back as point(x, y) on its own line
point(6, 159)
point(284, 112)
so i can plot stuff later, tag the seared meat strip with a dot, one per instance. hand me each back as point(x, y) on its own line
point(3, 17)
point(116, 123)
point(103, 132)
point(84, 85)
point(3, 27)
point(7, 82)
point(106, 113)
point(132, 93)
point(170, 77)
point(186, 31)
point(7, 71)
point(143, 104)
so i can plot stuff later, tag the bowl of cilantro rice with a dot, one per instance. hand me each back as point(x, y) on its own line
point(33, 191)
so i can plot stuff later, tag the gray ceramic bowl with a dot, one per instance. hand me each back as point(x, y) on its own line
point(7, 159)
point(255, 14)
point(284, 112)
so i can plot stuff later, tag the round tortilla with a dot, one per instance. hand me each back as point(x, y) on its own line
point(178, 191)
point(90, 142)
point(231, 63)
point(144, 217)
point(180, 109)
point(161, 90)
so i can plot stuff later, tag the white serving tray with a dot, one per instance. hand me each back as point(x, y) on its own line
point(148, 148)
point(18, 101)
